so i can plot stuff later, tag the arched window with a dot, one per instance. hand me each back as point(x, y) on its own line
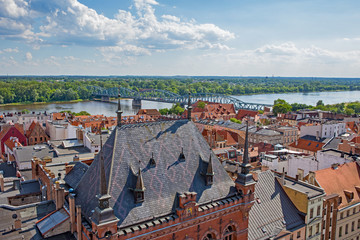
point(229, 233)
point(209, 236)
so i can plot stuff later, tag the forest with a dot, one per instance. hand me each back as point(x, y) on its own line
point(19, 89)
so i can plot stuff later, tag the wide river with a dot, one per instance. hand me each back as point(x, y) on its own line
point(108, 109)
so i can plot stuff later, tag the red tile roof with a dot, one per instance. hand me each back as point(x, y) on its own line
point(345, 177)
point(152, 112)
point(307, 145)
point(244, 113)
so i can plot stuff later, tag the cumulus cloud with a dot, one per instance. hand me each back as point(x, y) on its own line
point(70, 22)
point(28, 56)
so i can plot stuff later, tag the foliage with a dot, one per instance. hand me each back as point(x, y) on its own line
point(175, 109)
point(344, 108)
point(235, 120)
point(15, 89)
point(201, 105)
point(82, 113)
point(25, 111)
point(281, 106)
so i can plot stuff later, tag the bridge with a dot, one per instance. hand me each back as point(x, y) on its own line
point(170, 97)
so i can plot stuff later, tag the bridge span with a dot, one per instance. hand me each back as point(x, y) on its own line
point(170, 97)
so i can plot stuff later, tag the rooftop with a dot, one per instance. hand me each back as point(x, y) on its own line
point(273, 211)
point(130, 147)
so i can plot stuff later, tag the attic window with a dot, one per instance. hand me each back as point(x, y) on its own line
point(349, 194)
point(182, 156)
point(309, 143)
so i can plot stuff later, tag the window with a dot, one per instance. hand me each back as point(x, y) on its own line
point(298, 234)
point(341, 215)
point(317, 228)
point(346, 228)
point(340, 231)
point(318, 211)
point(358, 223)
point(310, 231)
point(353, 226)
point(209, 236)
point(348, 213)
point(229, 233)
point(291, 237)
point(311, 213)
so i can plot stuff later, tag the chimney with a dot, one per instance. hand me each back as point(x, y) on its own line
point(297, 177)
point(311, 177)
point(283, 177)
point(60, 196)
point(78, 222)
point(16, 184)
point(334, 165)
point(317, 136)
point(2, 187)
point(300, 172)
point(72, 212)
point(342, 155)
point(76, 158)
point(17, 221)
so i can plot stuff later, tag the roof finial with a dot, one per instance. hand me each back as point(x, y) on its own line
point(189, 105)
point(119, 112)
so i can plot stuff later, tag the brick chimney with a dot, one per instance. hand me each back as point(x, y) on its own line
point(312, 177)
point(59, 196)
point(300, 172)
point(72, 212)
point(2, 187)
point(78, 222)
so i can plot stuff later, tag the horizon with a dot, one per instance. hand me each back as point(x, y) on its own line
point(181, 38)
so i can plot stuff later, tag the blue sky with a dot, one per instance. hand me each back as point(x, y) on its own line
point(180, 37)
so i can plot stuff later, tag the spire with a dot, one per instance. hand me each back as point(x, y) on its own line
point(189, 106)
point(245, 164)
point(119, 112)
point(103, 187)
point(245, 178)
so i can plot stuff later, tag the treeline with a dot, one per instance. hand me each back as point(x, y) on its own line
point(66, 88)
point(281, 106)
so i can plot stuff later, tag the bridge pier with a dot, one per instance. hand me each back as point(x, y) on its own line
point(105, 98)
point(136, 102)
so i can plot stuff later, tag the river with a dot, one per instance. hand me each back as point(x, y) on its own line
point(108, 109)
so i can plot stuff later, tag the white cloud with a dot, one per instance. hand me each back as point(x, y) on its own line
point(10, 50)
point(70, 22)
point(28, 56)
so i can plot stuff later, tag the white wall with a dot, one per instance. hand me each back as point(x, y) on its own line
point(325, 159)
point(307, 163)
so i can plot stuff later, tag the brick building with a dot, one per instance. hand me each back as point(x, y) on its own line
point(158, 181)
point(36, 134)
point(12, 131)
point(341, 214)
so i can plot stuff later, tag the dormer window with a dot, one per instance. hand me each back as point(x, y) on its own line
point(152, 162)
point(139, 190)
point(182, 156)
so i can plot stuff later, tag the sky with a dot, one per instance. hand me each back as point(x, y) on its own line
point(299, 38)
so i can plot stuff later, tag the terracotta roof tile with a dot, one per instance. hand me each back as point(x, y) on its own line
point(345, 177)
point(307, 145)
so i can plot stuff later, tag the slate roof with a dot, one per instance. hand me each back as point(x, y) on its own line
point(129, 145)
point(9, 170)
point(273, 212)
point(74, 176)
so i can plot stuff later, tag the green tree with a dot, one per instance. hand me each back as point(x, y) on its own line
point(320, 103)
point(201, 105)
point(281, 106)
point(235, 120)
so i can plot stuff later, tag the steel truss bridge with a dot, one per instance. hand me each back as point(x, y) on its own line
point(169, 97)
